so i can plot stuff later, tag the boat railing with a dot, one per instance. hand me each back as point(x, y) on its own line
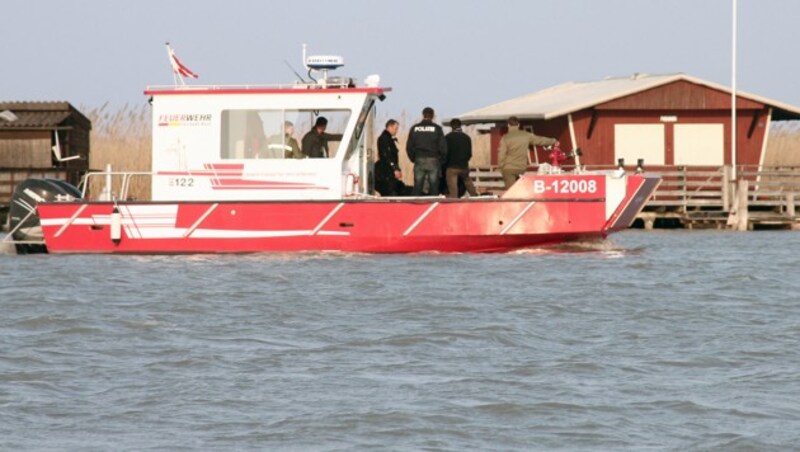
point(222, 87)
point(113, 185)
point(689, 187)
point(278, 86)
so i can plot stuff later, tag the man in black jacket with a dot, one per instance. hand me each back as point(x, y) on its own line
point(426, 147)
point(459, 151)
point(315, 142)
point(387, 169)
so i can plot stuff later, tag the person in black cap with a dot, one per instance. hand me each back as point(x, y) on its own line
point(459, 152)
point(315, 142)
point(427, 148)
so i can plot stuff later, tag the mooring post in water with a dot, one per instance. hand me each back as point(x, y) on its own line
point(726, 189)
point(741, 209)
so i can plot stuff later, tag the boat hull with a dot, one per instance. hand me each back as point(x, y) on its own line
point(400, 225)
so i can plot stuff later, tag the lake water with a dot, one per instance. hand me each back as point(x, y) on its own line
point(662, 340)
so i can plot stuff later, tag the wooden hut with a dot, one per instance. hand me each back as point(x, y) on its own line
point(28, 135)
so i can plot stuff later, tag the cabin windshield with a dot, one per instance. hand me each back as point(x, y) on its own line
point(281, 134)
point(360, 125)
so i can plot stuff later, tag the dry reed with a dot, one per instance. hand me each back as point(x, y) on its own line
point(121, 138)
point(783, 144)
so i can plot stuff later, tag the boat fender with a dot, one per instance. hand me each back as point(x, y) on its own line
point(350, 184)
point(116, 226)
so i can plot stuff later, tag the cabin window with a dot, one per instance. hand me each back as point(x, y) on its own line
point(360, 125)
point(281, 134)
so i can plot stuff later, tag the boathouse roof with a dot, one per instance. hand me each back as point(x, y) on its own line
point(570, 97)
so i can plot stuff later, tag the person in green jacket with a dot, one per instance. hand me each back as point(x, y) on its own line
point(283, 145)
point(514, 151)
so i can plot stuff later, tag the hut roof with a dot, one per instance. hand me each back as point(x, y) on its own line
point(39, 115)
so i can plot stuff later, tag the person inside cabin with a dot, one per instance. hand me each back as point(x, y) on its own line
point(315, 142)
point(388, 177)
point(254, 137)
point(459, 152)
point(427, 148)
point(514, 152)
point(283, 145)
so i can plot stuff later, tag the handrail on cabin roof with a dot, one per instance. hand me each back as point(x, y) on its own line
point(255, 88)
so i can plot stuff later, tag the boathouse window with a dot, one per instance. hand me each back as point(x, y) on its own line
point(278, 134)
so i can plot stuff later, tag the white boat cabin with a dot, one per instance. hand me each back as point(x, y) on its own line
point(246, 143)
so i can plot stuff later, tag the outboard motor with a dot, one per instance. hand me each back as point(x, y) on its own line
point(22, 212)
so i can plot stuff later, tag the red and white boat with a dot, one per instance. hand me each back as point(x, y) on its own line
point(223, 181)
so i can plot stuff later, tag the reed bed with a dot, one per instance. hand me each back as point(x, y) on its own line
point(121, 137)
point(783, 145)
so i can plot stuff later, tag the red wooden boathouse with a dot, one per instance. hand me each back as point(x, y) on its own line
point(668, 120)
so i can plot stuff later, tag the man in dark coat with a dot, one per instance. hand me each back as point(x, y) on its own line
point(388, 177)
point(459, 152)
point(426, 147)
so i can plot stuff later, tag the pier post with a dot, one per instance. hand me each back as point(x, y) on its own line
point(682, 179)
point(726, 188)
point(790, 205)
point(741, 208)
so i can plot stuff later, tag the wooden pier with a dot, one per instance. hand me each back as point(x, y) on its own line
point(709, 197)
point(757, 198)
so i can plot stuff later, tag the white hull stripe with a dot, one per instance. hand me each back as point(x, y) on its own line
point(517, 218)
point(169, 231)
point(71, 219)
point(234, 234)
point(105, 220)
point(326, 219)
point(419, 220)
point(201, 219)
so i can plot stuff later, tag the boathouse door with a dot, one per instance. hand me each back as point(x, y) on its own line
point(699, 144)
point(639, 141)
point(670, 144)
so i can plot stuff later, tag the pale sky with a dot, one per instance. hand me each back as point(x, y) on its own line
point(453, 56)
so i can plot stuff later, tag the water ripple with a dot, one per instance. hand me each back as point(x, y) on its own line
point(656, 340)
